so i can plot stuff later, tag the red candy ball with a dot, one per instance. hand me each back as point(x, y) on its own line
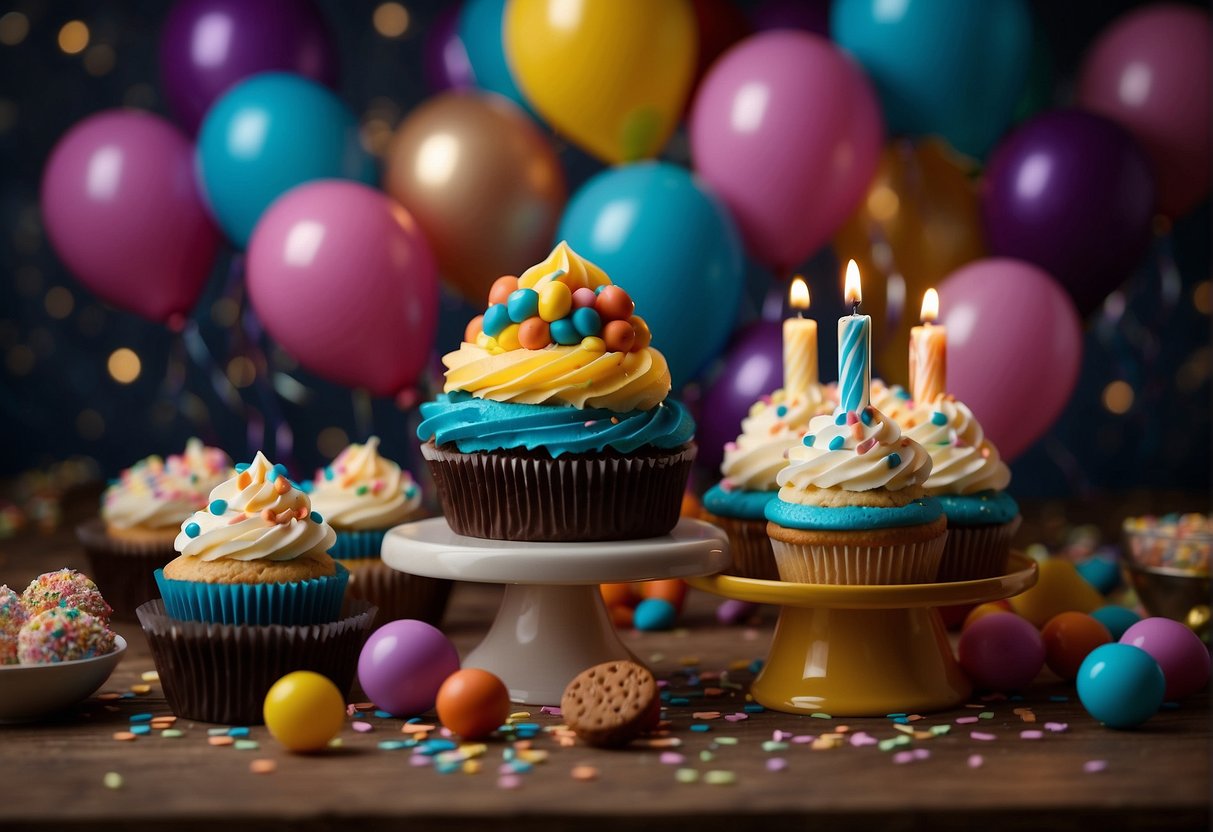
point(502, 287)
point(584, 297)
point(621, 616)
point(643, 336)
point(475, 327)
point(614, 304)
point(1069, 637)
point(619, 336)
point(534, 334)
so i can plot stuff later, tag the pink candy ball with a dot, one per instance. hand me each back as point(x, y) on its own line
point(403, 664)
point(584, 297)
point(1184, 659)
point(1001, 652)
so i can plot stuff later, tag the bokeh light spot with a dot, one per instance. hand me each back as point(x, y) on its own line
point(124, 365)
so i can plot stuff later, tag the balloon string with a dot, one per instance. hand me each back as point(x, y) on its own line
point(364, 413)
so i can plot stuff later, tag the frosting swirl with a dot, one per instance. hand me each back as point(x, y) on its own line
point(854, 453)
point(963, 461)
point(157, 493)
point(362, 490)
point(478, 425)
point(566, 266)
point(891, 400)
point(775, 424)
point(257, 514)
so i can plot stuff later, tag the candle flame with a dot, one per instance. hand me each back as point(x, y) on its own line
point(930, 306)
point(798, 294)
point(853, 294)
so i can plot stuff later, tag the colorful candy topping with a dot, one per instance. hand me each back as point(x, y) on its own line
point(64, 588)
point(63, 634)
point(157, 492)
point(13, 616)
point(560, 302)
point(1175, 541)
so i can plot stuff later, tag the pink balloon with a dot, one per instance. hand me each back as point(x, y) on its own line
point(1149, 72)
point(788, 131)
point(1014, 348)
point(342, 278)
point(122, 210)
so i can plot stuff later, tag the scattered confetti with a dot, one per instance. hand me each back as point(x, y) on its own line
point(976, 761)
point(720, 778)
point(362, 727)
point(686, 775)
point(982, 736)
point(671, 758)
point(509, 781)
point(1094, 766)
point(247, 745)
point(112, 780)
point(149, 676)
point(584, 773)
point(141, 690)
point(172, 733)
point(263, 766)
point(1031, 735)
point(220, 741)
point(776, 764)
point(124, 736)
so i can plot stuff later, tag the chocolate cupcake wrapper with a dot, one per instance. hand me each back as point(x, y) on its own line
point(358, 544)
point(124, 570)
point(396, 594)
point(851, 564)
point(222, 672)
point(974, 552)
point(749, 547)
point(521, 496)
point(314, 601)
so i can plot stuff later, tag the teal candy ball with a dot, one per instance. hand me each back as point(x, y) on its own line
point(1116, 618)
point(1121, 685)
point(654, 614)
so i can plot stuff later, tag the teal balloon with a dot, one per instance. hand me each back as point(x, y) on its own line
point(480, 29)
point(952, 68)
point(670, 243)
point(265, 136)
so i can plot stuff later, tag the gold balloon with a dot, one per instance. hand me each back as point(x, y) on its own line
point(919, 222)
point(483, 183)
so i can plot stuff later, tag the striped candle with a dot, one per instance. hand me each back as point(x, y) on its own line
point(854, 349)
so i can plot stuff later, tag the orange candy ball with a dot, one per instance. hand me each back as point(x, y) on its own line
point(618, 595)
point(1068, 638)
point(619, 336)
point(982, 610)
point(643, 336)
point(501, 289)
point(614, 304)
point(621, 616)
point(475, 327)
point(534, 334)
point(473, 703)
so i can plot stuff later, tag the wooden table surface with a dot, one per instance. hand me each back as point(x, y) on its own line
point(1157, 777)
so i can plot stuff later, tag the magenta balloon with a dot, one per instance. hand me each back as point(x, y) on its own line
point(206, 46)
point(123, 212)
point(753, 367)
point(342, 278)
point(788, 131)
point(1014, 348)
point(1149, 72)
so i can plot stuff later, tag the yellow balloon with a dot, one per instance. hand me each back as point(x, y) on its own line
point(919, 222)
point(611, 75)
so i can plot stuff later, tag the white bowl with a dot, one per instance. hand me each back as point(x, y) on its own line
point(29, 691)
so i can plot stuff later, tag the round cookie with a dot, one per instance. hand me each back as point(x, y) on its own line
point(66, 588)
point(62, 634)
point(611, 703)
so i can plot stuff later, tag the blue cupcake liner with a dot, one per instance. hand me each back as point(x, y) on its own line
point(314, 601)
point(357, 545)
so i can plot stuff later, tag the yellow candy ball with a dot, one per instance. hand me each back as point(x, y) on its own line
point(507, 339)
point(304, 710)
point(555, 301)
point(593, 344)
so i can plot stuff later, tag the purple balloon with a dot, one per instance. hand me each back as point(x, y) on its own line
point(122, 209)
point(445, 59)
point(209, 45)
point(1072, 193)
point(806, 15)
point(753, 367)
point(1014, 348)
point(403, 664)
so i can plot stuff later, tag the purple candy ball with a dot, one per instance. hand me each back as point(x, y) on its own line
point(1001, 652)
point(1184, 659)
point(403, 664)
point(733, 611)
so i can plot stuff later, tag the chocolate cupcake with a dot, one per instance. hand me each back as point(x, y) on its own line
point(555, 423)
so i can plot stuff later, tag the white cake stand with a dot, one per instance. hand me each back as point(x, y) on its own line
point(552, 623)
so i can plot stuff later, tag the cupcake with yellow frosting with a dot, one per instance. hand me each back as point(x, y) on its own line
point(362, 494)
point(776, 423)
point(969, 479)
point(257, 554)
point(555, 423)
point(852, 508)
point(141, 514)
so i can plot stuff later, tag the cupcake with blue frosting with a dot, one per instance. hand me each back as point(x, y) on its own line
point(969, 479)
point(852, 508)
point(555, 422)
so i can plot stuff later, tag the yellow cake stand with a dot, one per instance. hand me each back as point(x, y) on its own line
point(864, 650)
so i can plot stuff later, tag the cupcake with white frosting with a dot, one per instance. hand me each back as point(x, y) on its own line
point(776, 423)
point(969, 479)
point(362, 495)
point(141, 514)
point(852, 508)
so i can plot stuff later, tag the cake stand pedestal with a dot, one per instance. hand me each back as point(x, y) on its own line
point(552, 623)
point(864, 650)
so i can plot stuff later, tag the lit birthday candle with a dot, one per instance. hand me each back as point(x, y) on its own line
point(854, 349)
point(928, 353)
point(799, 343)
